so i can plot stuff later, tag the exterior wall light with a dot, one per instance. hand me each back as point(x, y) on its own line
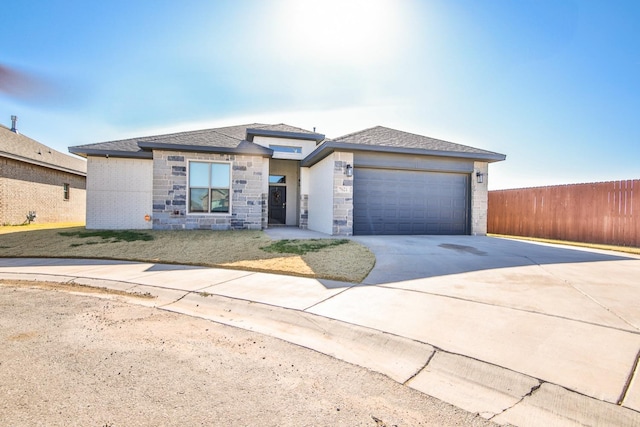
point(349, 171)
point(479, 177)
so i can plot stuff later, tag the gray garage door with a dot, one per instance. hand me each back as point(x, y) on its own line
point(410, 202)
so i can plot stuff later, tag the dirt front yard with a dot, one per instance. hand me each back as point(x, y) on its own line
point(69, 359)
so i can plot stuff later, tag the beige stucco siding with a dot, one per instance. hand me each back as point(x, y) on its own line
point(321, 196)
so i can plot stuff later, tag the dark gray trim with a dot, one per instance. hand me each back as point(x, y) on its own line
point(85, 152)
point(240, 149)
point(251, 132)
point(330, 146)
point(41, 164)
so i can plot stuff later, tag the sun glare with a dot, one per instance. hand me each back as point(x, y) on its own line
point(355, 31)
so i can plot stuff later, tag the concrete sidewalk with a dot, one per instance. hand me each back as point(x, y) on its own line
point(562, 352)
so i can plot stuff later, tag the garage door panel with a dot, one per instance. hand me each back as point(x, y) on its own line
point(410, 202)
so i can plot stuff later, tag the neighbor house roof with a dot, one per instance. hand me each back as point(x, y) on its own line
point(383, 139)
point(230, 139)
point(19, 147)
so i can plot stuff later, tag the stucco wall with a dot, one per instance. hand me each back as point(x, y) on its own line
point(26, 187)
point(306, 146)
point(118, 193)
point(330, 198)
point(320, 199)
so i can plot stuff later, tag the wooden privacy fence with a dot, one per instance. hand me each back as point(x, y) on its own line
point(604, 212)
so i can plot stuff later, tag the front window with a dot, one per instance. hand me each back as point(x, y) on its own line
point(209, 187)
point(286, 149)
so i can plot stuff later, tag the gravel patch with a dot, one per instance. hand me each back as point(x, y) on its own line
point(68, 359)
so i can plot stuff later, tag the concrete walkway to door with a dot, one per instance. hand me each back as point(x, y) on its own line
point(522, 333)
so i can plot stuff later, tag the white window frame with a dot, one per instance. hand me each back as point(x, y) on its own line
point(188, 186)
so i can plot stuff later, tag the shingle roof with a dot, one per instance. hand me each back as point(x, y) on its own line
point(229, 138)
point(20, 147)
point(385, 137)
point(236, 139)
point(392, 141)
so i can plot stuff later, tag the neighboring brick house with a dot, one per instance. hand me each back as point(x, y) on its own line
point(36, 178)
point(376, 181)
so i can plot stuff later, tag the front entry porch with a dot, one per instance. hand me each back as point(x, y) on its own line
point(284, 189)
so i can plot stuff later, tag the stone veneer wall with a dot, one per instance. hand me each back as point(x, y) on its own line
point(303, 221)
point(342, 195)
point(479, 200)
point(170, 186)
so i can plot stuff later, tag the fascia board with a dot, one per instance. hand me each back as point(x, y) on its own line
point(112, 153)
point(328, 147)
point(205, 149)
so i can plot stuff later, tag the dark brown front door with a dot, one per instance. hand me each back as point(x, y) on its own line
point(277, 205)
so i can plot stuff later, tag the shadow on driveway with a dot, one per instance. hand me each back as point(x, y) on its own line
point(400, 258)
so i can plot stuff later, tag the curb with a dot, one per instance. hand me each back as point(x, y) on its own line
point(493, 392)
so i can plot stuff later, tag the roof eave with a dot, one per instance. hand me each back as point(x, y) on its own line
point(251, 132)
point(42, 164)
point(86, 152)
point(246, 149)
point(330, 146)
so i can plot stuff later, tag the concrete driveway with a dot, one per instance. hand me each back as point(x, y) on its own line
point(522, 333)
point(565, 315)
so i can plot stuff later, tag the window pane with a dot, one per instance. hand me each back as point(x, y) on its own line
point(220, 200)
point(219, 175)
point(286, 149)
point(198, 174)
point(198, 199)
point(277, 179)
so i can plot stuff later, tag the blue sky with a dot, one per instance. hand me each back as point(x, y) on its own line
point(554, 85)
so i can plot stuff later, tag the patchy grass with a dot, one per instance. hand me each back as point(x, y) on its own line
point(301, 247)
point(336, 259)
point(110, 236)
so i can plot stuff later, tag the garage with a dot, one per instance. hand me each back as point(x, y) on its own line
point(390, 200)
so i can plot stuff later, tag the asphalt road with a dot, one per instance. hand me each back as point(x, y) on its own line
point(70, 359)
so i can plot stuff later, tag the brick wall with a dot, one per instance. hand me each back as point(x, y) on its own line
point(170, 188)
point(25, 187)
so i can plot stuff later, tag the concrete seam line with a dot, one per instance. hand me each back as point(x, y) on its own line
point(328, 298)
point(635, 331)
point(627, 385)
point(433, 353)
point(589, 297)
point(228, 280)
point(173, 302)
point(529, 394)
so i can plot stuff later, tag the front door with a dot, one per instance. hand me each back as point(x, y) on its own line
point(277, 204)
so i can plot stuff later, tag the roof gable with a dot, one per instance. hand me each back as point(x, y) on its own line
point(229, 139)
point(387, 140)
point(22, 148)
point(381, 136)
